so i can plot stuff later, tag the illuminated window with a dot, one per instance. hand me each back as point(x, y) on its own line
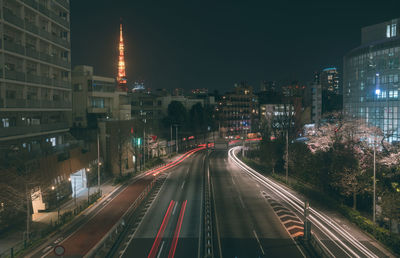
point(393, 30)
point(388, 31)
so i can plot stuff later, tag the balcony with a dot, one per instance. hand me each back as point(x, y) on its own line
point(33, 78)
point(58, 19)
point(31, 27)
point(21, 130)
point(43, 9)
point(12, 18)
point(32, 53)
point(31, 3)
point(47, 80)
point(45, 57)
point(98, 110)
point(13, 47)
point(62, 84)
point(15, 75)
point(63, 3)
point(24, 103)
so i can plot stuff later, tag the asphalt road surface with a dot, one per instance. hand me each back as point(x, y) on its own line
point(172, 224)
point(247, 225)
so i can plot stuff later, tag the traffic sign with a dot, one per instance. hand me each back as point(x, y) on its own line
point(59, 250)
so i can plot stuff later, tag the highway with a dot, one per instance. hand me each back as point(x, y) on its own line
point(172, 225)
point(338, 240)
point(247, 226)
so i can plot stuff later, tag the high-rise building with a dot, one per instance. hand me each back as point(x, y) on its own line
point(239, 111)
point(35, 75)
point(329, 79)
point(371, 78)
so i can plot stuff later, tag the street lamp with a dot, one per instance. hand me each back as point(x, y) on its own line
point(88, 185)
point(58, 207)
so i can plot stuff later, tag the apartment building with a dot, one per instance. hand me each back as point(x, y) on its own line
point(35, 75)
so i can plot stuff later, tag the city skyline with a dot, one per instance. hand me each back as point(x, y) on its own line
point(194, 46)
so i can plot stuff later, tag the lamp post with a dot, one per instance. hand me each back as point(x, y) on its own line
point(88, 185)
point(98, 162)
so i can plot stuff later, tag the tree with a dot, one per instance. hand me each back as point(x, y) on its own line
point(177, 114)
point(197, 119)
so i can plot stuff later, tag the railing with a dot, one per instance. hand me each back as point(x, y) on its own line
point(18, 130)
point(31, 27)
point(24, 103)
point(31, 3)
point(13, 47)
point(14, 75)
point(63, 3)
point(12, 18)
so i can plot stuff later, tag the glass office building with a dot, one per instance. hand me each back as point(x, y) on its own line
point(371, 74)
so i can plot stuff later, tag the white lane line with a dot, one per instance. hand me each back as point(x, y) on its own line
point(176, 205)
point(233, 181)
point(183, 184)
point(241, 201)
point(258, 241)
point(159, 253)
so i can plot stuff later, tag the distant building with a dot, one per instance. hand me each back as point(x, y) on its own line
point(239, 111)
point(96, 98)
point(329, 79)
point(371, 78)
point(202, 91)
point(178, 92)
point(316, 109)
point(269, 86)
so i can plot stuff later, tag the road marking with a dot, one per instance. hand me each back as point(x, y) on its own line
point(183, 184)
point(159, 253)
point(258, 241)
point(176, 205)
point(161, 231)
point(233, 181)
point(177, 231)
point(241, 201)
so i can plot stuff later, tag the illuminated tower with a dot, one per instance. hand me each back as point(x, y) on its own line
point(121, 62)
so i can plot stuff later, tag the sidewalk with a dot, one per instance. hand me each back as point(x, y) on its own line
point(41, 221)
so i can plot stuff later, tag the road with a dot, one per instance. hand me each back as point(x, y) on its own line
point(339, 239)
point(246, 223)
point(172, 224)
point(82, 236)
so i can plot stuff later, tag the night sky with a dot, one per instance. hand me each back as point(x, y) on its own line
point(196, 44)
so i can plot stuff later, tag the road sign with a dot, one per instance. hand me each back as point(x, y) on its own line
point(59, 250)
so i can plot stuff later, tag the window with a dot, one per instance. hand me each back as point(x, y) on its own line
point(393, 34)
point(5, 122)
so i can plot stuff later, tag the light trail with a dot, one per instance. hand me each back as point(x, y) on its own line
point(160, 233)
point(318, 218)
point(174, 163)
point(177, 231)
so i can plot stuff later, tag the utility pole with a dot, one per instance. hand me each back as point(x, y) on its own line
point(28, 213)
point(287, 156)
point(176, 138)
point(144, 144)
point(170, 145)
point(98, 162)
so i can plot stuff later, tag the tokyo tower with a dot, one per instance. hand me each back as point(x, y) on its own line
point(121, 79)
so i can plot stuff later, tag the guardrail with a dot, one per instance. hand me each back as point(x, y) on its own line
point(114, 232)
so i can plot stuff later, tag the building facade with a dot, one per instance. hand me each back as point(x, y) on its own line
point(371, 78)
point(95, 98)
point(35, 75)
point(329, 79)
point(239, 111)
